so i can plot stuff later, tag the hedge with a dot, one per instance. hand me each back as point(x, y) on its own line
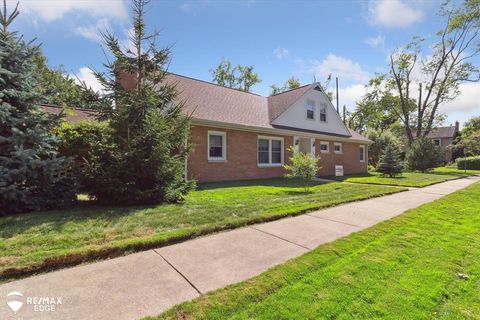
point(472, 163)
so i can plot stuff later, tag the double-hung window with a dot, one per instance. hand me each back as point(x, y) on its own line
point(310, 109)
point(323, 112)
point(217, 146)
point(362, 153)
point(270, 151)
point(324, 147)
point(337, 147)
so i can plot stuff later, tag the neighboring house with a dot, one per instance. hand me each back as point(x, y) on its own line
point(239, 135)
point(443, 138)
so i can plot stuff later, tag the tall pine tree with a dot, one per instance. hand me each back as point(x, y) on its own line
point(144, 161)
point(32, 177)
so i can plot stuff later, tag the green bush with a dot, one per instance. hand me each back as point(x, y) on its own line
point(423, 155)
point(381, 139)
point(469, 163)
point(303, 166)
point(78, 141)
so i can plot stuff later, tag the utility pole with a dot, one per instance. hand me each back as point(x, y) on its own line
point(336, 85)
point(344, 114)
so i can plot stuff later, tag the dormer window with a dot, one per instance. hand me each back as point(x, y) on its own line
point(323, 112)
point(310, 109)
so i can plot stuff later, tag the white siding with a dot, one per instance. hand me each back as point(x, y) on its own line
point(296, 115)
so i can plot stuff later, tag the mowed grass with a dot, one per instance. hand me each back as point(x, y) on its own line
point(407, 179)
point(406, 268)
point(48, 240)
point(455, 171)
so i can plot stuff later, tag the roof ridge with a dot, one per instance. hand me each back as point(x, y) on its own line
point(215, 84)
point(305, 85)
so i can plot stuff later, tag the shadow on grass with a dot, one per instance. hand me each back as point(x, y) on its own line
point(280, 182)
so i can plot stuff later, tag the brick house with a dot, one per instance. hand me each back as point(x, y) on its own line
point(239, 135)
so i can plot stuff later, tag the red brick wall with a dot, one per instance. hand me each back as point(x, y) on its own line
point(349, 158)
point(242, 157)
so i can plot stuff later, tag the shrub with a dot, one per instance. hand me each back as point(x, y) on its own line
point(381, 139)
point(78, 141)
point(469, 163)
point(303, 166)
point(389, 163)
point(423, 155)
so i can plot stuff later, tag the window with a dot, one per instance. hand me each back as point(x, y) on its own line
point(310, 109)
point(270, 151)
point(217, 146)
point(323, 112)
point(337, 147)
point(324, 147)
point(437, 142)
point(362, 153)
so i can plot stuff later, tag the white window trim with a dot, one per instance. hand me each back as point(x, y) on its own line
point(223, 158)
point(320, 113)
point(325, 143)
point(270, 164)
point(362, 147)
point(338, 144)
point(306, 110)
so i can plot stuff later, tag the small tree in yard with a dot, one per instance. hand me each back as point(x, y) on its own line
point(32, 176)
point(423, 155)
point(143, 163)
point(389, 163)
point(303, 166)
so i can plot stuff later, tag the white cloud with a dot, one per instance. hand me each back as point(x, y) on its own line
point(341, 67)
point(468, 100)
point(281, 53)
point(86, 75)
point(93, 31)
point(394, 13)
point(51, 10)
point(376, 42)
point(350, 95)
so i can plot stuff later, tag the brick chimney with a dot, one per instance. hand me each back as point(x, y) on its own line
point(457, 127)
point(126, 80)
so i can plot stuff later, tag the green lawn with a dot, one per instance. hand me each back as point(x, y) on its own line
point(48, 240)
point(455, 171)
point(404, 268)
point(408, 179)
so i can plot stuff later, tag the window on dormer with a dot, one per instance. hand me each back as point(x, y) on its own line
point(310, 109)
point(323, 113)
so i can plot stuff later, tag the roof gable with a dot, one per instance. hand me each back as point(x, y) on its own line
point(279, 103)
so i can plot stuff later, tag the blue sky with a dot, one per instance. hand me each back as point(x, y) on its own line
point(305, 39)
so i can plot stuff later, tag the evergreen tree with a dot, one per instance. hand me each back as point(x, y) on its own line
point(143, 163)
point(389, 163)
point(424, 155)
point(32, 177)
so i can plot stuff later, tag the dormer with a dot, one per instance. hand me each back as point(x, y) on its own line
point(306, 108)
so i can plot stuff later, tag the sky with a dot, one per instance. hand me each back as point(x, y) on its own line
point(351, 40)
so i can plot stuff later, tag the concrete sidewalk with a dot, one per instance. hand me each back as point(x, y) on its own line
point(150, 282)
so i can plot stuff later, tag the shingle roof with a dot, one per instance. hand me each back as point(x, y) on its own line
point(72, 115)
point(209, 101)
point(278, 103)
point(442, 132)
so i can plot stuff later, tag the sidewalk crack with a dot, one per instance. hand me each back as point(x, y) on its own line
point(178, 271)
point(273, 235)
